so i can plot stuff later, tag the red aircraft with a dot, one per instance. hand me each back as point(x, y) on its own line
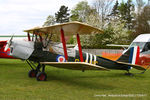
point(3, 53)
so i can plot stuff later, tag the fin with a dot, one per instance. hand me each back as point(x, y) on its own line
point(131, 55)
point(131, 58)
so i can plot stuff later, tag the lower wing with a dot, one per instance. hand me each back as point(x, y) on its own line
point(75, 65)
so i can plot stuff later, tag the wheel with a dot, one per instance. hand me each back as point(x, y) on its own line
point(41, 76)
point(32, 73)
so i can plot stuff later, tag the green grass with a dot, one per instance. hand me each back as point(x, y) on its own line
point(69, 84)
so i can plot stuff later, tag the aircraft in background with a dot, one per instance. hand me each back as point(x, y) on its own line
point(3, 42)
point(40, 50)
point(143, 41)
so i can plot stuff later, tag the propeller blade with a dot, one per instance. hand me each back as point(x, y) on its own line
point(6, 47)
point(11, 38)
point(8, 43)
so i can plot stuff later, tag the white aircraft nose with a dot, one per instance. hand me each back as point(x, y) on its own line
point(21, 49)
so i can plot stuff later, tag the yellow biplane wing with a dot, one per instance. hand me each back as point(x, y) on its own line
point(69, 28)
point(75, 65)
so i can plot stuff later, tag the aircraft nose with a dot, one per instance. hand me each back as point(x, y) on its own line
point(21, 49)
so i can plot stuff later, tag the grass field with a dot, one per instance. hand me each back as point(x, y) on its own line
point(70, 85)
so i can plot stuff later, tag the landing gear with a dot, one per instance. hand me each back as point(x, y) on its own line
point(32, 73)
point(129, 74)
point(36, 72)
point(41, 76)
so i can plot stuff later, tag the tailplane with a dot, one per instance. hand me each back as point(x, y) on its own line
point(131, 55)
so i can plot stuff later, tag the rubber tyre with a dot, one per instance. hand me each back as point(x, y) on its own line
point(41, 76)
point(32, 73)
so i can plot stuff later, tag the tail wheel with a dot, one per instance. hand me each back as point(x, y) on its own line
point(41, 76)
point(32, 73)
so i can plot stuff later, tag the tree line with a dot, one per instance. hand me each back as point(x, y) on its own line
point(120, 21)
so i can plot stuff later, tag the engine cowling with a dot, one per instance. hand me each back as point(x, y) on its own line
point(21, 49)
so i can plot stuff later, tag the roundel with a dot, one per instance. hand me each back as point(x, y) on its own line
point(60, 58)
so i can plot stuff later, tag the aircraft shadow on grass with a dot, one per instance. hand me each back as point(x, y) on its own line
point(86, 81)
point(76, 81)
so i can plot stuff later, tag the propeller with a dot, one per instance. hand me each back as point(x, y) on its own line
point(8, 43)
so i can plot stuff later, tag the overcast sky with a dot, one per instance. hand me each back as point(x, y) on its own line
point(18, 15)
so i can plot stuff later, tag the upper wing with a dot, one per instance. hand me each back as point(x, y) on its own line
point(75, 65)
point(69, 28)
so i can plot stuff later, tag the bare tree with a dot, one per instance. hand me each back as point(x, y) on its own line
point(139, 4)
point(103, 7)
point(141, 23)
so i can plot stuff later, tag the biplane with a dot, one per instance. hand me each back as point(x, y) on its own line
point(40, 49)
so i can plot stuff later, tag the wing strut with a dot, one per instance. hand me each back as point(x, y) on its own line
point(64, 44)
point(29, 39)
point(80, 49)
